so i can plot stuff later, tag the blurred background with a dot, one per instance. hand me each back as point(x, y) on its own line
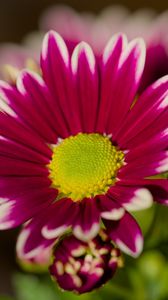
point(17, 17)
point(143, 279)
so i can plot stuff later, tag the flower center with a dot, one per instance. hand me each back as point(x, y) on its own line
point(84, 165)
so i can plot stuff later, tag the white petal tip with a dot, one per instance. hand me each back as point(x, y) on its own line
point(85, 48)
point(86, 235)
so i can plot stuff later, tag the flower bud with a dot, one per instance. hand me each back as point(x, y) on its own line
point(81, 267)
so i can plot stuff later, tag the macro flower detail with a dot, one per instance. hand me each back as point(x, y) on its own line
point(77, 151)
point(84, 165)
point(97, 30)
point(82, 267)
point(14, 58)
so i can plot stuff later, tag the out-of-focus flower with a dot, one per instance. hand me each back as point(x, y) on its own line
point(14, 58)
point(97, 30)
point(81, 267)
point(37, 263)
point(76, 151)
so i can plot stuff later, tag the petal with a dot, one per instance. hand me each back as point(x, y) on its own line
point(159, 190)
point(38, 98)
point(87, 222)
point(111, 56)
point(55, 64)
point(13, 149)
point(12, 166)
point(144, 166)
point(59, 218)
point(11, 187)
point(127, 73)
point(110, 209)
point(26, 107)
point(126, 234)
point(31, 243)
point(132, 198)
point(13, 129)
point(85, 74)
point(23, 207)
point(147, 117)
point(154, 144)
point(157, 187)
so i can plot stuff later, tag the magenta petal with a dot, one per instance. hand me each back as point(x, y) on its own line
point(55, 63)
point(13, 149)
point(110, 63)
point(13, 129)
point(31, 244)
point(128, 71)
point(159, 190)
point(110, 209)
point(126, 234)
point(157, 187)
point(26, 107)
point(131, 197)
point(12, 187)
point(140, 123)
point(87, 222)
point(59, 218)
point(157, 143)
point(38, 103)
point(145, 165)
point(85, 74)
point(23, 207)
point(12, 166)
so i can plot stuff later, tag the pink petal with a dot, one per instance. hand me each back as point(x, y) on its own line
point(126, 234)
point(31, 243)
point(23, 207)
point(59, 217)
point(144, 166)
point(157, 187)
point(55, 63)
point(110, 209)
point(85, 74)
point(127, 74)
point(131, 197)
point(87, 222)
point(149, 110)
point(13, 129)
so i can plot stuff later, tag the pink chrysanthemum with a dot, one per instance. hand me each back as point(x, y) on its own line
point(78, 145)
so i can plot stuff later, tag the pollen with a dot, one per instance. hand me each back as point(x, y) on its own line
point(84, 165)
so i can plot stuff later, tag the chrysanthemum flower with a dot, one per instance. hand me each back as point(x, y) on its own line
point(14, 57)
point(79, 266)
point(77, 150)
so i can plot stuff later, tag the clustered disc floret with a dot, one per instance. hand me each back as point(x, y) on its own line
point(81, 267)
point(85, 165)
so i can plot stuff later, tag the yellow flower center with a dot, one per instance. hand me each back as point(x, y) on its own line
point(84, 165)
